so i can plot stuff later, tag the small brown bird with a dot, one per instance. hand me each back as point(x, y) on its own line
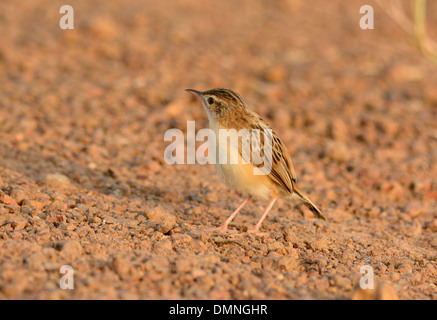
point(226, 110)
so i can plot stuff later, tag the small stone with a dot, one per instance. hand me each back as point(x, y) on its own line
point(19, 195)
point(160, 220)
point(156, 212)
point(4, 198)
point(27, 210)
point(56, 217)
point(277, 247)
point(36, 204)
point(59, 205)
point(416, 278)
point(416, 228)
point(122, 189)
point(67, 226)
point(56, 181)
point(161, 225)
point(431, 269)
point(83, 208)
point(96, 220)
point(183, 265)
point(120, 266)
point(289, 236)
point(414, 210)
point(276, 74)
point(288, 263)
point(72, 248)
point(153, 166)
point(211, 197)
point(103, 28)
point(16, 235)
point(19, 224)
point(319, 244)
point(404, 268)
point(339, 130)
point(337, 151)
point(283, 118)
point(163, 247)
point(404, 72)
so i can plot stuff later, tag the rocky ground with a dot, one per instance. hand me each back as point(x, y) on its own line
point(83, 181)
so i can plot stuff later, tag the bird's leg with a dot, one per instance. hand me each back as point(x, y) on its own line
point(258, 224)
point(224, 226)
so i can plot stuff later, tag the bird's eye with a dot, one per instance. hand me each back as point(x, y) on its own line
point(210, 101)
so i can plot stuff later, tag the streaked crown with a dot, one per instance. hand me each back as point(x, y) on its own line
point(219, 102)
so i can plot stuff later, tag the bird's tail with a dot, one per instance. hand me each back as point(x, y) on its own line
point(298, 194)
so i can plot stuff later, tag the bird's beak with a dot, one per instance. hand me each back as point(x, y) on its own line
point(195, 92)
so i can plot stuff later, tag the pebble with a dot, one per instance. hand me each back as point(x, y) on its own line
point(276, 74)
point(159, 219)
point(319, 244)
point(72, 248)
point(163, 247)
point(56, 181)
point(28, 210)
point(404, 269)
point(19, 195)
point(5, 199)
point(339, 131)
point(337, 151)
point(120, 266)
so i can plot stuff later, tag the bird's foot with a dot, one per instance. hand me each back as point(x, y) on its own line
point(223, 229)
point(256, 232)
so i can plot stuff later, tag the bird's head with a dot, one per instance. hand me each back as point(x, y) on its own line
point(219, 102)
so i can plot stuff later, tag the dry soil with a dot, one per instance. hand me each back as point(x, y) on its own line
point(83, 181)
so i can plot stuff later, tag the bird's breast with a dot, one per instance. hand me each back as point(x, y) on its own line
point(233, 171)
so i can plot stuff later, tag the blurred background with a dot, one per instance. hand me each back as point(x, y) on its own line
point(356, 108)
point(105, 92)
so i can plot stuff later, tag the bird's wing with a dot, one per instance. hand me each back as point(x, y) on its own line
point(273, 161)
